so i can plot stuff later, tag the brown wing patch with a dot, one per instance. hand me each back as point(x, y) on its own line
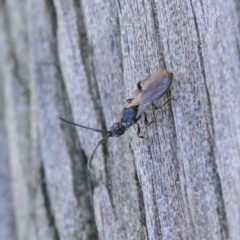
point(156, 77)
point(136, 100)
point(154, 87)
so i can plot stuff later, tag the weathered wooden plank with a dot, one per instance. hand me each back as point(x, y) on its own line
point(81, 60)
point(67, 183)
point(16, 99)
point(7, 228)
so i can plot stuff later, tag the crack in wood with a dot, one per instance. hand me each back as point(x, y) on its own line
point(156, 213)
point(119, 6)
point(87, 55)
point(191, 224)
point(12, 57)
point(141, 203)
point(81, 178)
point(2, 5)
point(157, 30)
point(47, 204)
point(218, 188)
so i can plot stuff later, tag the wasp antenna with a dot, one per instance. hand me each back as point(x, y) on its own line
point(78, 125)
point(99, 143)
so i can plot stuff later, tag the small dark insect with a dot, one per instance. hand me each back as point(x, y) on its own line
point(154, 88)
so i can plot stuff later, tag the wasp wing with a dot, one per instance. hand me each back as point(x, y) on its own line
point(154, 88)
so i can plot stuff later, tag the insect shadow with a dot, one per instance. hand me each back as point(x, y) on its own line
point(154, 87)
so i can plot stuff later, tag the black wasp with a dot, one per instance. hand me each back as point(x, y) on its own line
point(154, 88)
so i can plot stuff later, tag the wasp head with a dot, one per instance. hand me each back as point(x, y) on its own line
point(117, 130)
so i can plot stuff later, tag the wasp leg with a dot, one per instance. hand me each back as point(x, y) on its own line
point(154, 106)
point(167, 100)
point(129, 100)
point(146, 122)
point(138, 132)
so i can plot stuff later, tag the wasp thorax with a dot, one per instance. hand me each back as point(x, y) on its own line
point(117, 130)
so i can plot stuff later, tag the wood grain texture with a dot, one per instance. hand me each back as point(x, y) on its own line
point(81, 60)
point(7, 228)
